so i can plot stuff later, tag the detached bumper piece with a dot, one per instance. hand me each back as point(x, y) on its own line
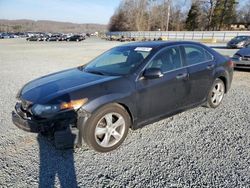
point(66, 138)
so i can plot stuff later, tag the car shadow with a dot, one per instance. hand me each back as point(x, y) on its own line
point(56, 166)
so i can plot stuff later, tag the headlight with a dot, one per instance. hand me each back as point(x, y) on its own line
point(238, 57)
point(45, 109)
point(40, 110)
point(242, 43)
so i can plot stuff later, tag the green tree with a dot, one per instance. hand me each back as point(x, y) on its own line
point(192, 22)
point(224, 14)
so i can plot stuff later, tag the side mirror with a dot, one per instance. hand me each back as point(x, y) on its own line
point(153, 73)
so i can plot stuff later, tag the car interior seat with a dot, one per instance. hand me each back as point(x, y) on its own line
point(134, 58)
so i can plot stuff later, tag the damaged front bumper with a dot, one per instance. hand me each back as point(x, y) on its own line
point(67, 127)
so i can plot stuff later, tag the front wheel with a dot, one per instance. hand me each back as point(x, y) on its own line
point(107, 128)
point(216, 94)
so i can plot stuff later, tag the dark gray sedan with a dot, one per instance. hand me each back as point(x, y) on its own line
point(239, 42)
point(128, 86)
point(241, 58)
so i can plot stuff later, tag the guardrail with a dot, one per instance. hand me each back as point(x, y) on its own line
point(221, 36)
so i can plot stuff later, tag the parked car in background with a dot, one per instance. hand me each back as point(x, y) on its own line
point(21, 34)
point(42, 37)
point(54, 37)
point(76, 38)
point(63, 37)
point(239, 42)
point(241, 58)
point(32, 38)
point(4, 36)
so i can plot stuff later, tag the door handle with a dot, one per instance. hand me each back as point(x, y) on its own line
point(181, 76)
point(210, 67)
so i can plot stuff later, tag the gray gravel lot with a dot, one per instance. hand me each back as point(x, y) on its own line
point(198, 148)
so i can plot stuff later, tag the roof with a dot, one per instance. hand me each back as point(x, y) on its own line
point(156, 44)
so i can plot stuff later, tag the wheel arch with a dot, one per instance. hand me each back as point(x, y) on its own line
point(128, 111)
point(223, 75)
point(124, 103)
point(224, 79)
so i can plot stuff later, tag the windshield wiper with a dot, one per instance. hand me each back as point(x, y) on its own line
point(95, 72)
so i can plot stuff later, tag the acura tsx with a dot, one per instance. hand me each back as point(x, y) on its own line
point(126, 87)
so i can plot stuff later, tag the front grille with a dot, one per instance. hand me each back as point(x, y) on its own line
point(242, 66)
point(246, 58)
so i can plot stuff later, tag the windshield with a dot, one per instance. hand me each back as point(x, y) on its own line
point(118, 61)
point(240, 38)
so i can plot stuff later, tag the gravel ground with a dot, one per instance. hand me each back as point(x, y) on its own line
point(198, 148)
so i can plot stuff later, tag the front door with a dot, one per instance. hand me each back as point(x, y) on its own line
point(161, 96)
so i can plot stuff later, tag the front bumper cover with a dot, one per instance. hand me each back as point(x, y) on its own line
point(25, 124)
point(66, 135)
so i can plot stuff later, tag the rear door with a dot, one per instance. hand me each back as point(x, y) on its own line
point(200, 64)
point(157, 97)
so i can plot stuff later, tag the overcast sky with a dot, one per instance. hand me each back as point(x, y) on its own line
point(77, 11)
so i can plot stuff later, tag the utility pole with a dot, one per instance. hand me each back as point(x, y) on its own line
point(168, 16)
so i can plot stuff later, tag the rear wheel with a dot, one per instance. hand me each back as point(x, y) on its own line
point(216, 94)
point(107, 128)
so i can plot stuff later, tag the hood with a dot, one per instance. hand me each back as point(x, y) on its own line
point(54, 85)
point(244, 52)
point(234, 41)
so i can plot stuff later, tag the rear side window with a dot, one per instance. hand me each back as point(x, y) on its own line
point(196, 54)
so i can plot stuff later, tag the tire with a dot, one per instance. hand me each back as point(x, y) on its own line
point(216, 94)
point(107, 128)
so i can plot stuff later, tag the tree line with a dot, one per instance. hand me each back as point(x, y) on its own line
point(164, 15)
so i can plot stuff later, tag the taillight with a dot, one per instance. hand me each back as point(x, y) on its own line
point(230, 63)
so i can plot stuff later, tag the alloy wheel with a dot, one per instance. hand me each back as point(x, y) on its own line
point(110, 130)
point(218, 93)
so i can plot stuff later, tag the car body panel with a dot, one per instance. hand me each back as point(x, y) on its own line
point(155, 97)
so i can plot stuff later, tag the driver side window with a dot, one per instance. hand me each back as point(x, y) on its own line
point(168, 59)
